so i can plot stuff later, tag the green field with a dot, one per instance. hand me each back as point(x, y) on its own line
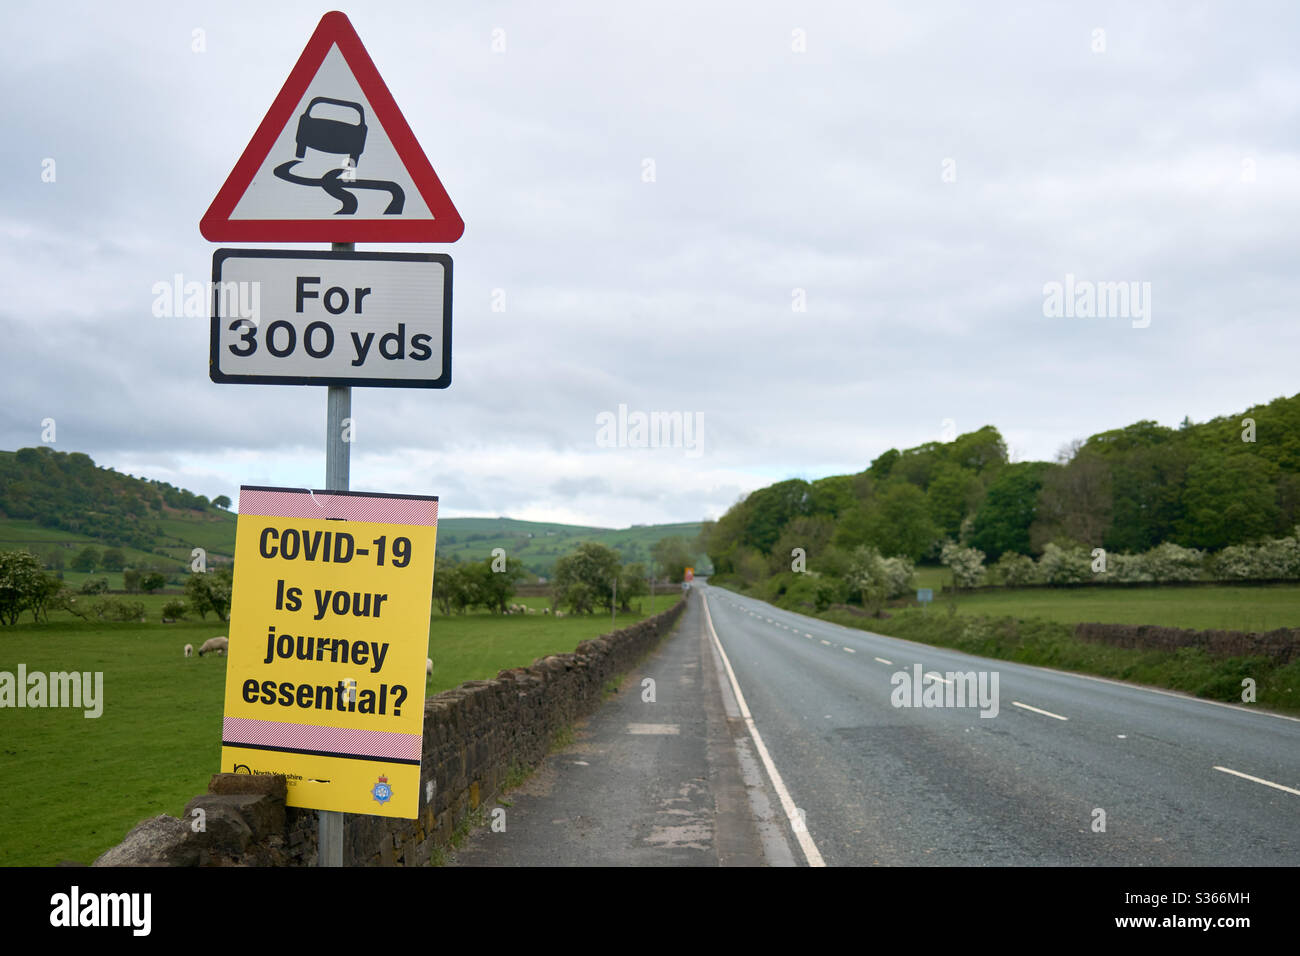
point(74, 786)
point(1213, 606)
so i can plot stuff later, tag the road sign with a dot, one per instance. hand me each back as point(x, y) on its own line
point(329, 635)
point(333, 161)
point(690, 574)
point(307, 317)
point(925, 595)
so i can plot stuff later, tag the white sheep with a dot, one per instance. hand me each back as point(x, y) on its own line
point(546, 610)
point(428, 665)
point(189, 650)
point(532, 610)
point(214, 645)
point(559, 614)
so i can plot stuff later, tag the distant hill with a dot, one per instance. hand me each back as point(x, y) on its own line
point(54, 503)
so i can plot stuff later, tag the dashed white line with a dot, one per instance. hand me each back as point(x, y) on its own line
point(849, 650)
point(1267, 783)
point(883, 661)
point(933, 676)
point(827, 643)
point(1045, 713)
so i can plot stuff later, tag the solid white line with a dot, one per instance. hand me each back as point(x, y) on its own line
point(800, 829)
point(1267, 783)
point(849, 650)
point(1045, 713)
point(883, 661)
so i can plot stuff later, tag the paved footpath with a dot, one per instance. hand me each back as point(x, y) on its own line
point(668, 782)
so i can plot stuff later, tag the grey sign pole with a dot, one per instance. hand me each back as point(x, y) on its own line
point(338, 408)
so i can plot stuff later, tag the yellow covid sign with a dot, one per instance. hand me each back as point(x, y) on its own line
point(329, 634)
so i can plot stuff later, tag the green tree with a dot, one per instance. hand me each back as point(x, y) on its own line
point(87, 559)
point(672, 556)
point(900, 523)
point(953, 492)
point(498, 587)
point(22, 584)
point(113, 560)
point(152, 581)
point(210, 591)
point(1227, 500)
point(131, 580)
point(1010, 505)
point(221, 501)
point(584, 580)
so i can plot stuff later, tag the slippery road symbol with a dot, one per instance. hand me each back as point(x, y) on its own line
point(343, 138)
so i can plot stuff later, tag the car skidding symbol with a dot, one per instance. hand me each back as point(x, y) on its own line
point(342, 138)
point(331, 135)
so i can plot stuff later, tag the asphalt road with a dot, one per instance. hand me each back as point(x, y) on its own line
point(779, 742)
point(885, 784)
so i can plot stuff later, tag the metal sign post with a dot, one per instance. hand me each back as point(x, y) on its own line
point(338, 409)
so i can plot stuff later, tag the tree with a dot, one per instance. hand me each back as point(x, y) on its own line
point(1074, 503)
point(221, 501)
point(869, 577)
point(87, 559)
point(498, 587)
point(1227, 500)
point(131, 580)
point(1010, 505)
point(211, 591)
point(953, 492)
point(22, 584)
point(152, 581)
point(632, 583)
point(113, 560)
point(585, 579)
point(672, 556)
point(900, 523)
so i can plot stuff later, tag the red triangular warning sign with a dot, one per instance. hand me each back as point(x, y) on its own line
point(333, 161)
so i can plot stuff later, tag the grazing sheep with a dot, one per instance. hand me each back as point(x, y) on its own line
point(559, 614)
point(428, 665)
point(532, 610)
point(214, 645)
point(189, 650)
point(546, 610)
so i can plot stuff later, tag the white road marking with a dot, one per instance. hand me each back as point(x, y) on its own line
point(1267, 783)
point(669, 729)
point(883, 661)
point(810, 851)
point(1045, 713)
point(933, 676)
point(827, 643)
point(849, 650)
point(807, 635)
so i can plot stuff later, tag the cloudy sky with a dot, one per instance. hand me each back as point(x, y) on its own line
point(825, 229)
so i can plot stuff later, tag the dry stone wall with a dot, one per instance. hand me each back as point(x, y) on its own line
point(475, 735)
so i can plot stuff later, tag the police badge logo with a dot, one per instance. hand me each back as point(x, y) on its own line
point(382, 791)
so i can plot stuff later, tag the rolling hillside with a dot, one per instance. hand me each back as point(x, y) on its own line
point(57, 503)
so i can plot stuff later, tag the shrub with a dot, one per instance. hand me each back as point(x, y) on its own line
point(1170, 562)
point(1128, 568)
point(966, 564)
point(1061, 566)
point(174, 610)
point(1014, 570)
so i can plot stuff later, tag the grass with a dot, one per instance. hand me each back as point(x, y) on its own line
point(75, 786)
point(1051, 643)
point(1223, 607)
